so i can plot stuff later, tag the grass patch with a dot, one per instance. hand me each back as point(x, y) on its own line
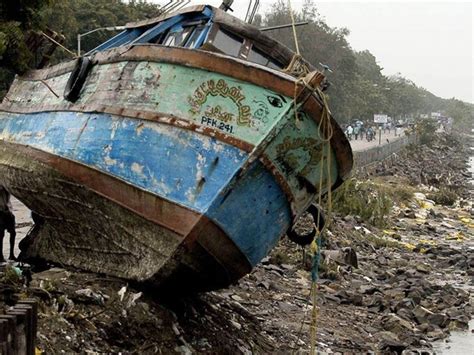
point(443, 196)
point(371, 202)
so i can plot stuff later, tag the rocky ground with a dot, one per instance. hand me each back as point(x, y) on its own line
point(412, 282)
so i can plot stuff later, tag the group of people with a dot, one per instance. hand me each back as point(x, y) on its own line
point(359, 130)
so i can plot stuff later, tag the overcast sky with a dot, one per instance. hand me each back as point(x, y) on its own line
point(428, 42)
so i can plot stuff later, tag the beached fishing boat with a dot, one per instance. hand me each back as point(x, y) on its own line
point(178, 151)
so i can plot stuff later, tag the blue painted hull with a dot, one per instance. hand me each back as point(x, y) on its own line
point(184, 168)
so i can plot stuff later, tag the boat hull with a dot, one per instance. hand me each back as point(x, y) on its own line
point(86, 229)
point(164, 171)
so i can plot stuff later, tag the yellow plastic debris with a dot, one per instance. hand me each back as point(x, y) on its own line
point(409, 246)
point(426, 205)
point(459, 237)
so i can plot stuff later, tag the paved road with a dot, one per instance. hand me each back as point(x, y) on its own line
point(23, 223)
point(358, 145)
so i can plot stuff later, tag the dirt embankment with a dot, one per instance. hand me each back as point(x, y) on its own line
point(404, 293)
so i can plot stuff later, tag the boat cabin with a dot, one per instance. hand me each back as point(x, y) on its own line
point(207, 28)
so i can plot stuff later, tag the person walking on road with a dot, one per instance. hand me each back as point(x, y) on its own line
point(356, 131)
point(349, 131)
point(7, 222)
point(370, 134)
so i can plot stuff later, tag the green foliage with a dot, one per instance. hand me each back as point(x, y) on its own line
point(367, 200)
point(24, 12)
point(381, 242)
point(3, 43)
point(16, 55)
point(67, 17)
point(359, 89)
point(320, 43)
point(426, 129)
point(72, 17)
point(461, 112)
point(17, 19)
point(443, 196)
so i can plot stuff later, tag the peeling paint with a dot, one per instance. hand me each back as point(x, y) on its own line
point(138, 169)
point(139, 128)
point(123, 83)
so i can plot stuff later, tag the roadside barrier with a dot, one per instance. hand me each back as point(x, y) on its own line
point(372, 155)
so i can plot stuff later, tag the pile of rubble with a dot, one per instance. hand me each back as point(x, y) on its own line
point(380, 289)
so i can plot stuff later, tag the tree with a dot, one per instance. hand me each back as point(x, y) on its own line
point(72, 17)
point(20, 18)
point(320, 43)
point(17, 20)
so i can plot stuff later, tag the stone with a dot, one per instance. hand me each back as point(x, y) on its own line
point(405, 314)
point(349, 297)
point(332, 298)
point(453, 312)
point(236, 325)
point(426, 327)
point(415, 294)
point(423, 268)
point(406, 303)
point(421, 314)
point(395, 324)
point(389, 341)
point(356, 284)
point(275, 268)
point(439, 319)
point(395, 294)
point(368, 289)
point(458, 324)
point(435, 334)
point(237, 298)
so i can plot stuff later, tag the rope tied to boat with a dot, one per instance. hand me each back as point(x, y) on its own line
point(297, 66)
point(326, 132)
point(299, 69)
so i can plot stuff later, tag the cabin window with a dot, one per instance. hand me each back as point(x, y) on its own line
point(228, 43)
point(178, 38)
point(159, 38)
point(256, 56)
point(275, 65)
point(194, 38)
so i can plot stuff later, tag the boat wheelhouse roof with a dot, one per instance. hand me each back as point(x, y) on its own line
point(207, 28)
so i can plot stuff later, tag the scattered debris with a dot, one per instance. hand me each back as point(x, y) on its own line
point(382, 288)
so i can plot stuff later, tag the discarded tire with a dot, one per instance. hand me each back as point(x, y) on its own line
point(77, 79)
point(308, 238)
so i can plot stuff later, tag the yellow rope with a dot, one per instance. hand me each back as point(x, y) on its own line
point(299, 69)
point(326, 130)
point(294, 27)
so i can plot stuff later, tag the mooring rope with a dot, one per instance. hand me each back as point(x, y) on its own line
point(300, 70)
